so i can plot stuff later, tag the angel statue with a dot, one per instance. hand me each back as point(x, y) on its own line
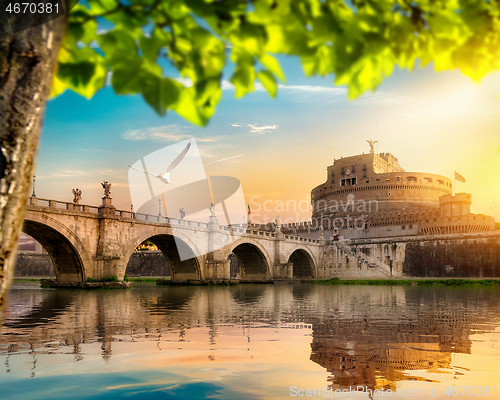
point(78, 195)
point(107, 188)
point(371, 143)
point(277, 223)
point(212, 209)
point(182, 212)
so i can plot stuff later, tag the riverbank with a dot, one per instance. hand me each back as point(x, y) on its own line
point(409, 282)
point(130, 278)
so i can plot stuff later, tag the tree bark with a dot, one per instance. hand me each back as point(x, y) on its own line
point(27, 64)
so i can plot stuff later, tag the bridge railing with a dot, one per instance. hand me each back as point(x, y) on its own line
point(61, 205)
point(236, 228)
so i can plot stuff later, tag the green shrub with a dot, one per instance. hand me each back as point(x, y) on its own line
point(89, 279)
point(112, 278)
point(125, 278)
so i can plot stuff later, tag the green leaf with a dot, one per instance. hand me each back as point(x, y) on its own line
point(272, 65)
point(102, 6)
point(82, 71)
point(78, 30)
point(268, 81)
point(243, 78)
point(187, 107)
point(159, 93)
point(208, 93)
point(118, 45)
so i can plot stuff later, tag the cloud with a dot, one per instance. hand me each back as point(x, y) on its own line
point(256, 128)
point(314, 89)
point(224, 159)
point(301, 92)
point(167, 133)
point(382, 98)
point(68, 173)
point(109, 75)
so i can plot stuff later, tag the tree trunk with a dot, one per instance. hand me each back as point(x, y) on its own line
point(27, 64)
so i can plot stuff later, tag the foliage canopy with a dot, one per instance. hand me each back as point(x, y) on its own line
point(359, 42)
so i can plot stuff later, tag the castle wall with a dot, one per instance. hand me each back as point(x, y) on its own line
point(478, 257)
point(447, 256)
point(34, 264)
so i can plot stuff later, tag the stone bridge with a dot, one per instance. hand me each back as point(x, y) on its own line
point(96, 242)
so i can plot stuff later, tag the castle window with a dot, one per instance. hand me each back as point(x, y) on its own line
point(333, 174)
point(364, 167)
point(333, 180)
point(440, 182)
point(364, 175)
point(353, 169)
point(398, 178)
point(428, 180)
point(410, 226)
point(348, 181)
point(411, 179)
point(387, 179)
point(403, 227)
point(342, 172)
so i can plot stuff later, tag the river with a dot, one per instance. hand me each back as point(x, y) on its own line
point(251, 341)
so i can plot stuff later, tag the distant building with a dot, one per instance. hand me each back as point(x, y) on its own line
point(26, 244)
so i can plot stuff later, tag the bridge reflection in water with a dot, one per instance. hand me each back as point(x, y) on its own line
point(341, 337)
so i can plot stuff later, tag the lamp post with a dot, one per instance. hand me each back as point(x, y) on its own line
point(34, 179)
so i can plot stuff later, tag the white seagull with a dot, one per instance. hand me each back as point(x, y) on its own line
point(165, 178)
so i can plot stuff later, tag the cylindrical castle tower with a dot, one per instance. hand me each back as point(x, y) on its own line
point(371, 184)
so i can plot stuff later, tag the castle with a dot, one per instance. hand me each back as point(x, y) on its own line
point(371, 195)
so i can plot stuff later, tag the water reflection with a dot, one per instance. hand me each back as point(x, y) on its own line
point(341, 337)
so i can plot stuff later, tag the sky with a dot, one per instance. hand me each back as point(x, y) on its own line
point(280, 148)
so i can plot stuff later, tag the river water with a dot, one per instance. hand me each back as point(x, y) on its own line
point(251, 341)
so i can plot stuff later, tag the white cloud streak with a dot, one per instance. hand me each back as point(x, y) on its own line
point(68, 173)
point(224, 159)
point(167, 133)
point(256, 128)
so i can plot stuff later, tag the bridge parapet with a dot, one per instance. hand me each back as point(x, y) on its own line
point(61, 205)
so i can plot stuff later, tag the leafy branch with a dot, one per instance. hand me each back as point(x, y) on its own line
point(358, 44)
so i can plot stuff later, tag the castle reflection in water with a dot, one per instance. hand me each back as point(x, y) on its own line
point(363, 336)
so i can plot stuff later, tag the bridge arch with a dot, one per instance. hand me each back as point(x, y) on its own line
point(303, 263)
point(167, 243)
point(253, 261)
point(72, 262)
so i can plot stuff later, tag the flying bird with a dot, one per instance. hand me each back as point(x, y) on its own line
point(165, 178)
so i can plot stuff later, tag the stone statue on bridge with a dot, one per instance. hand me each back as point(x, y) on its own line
point(107, 188)
point(277, 223)
point(212, 209)
point(182, 212)
point(78, 195)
